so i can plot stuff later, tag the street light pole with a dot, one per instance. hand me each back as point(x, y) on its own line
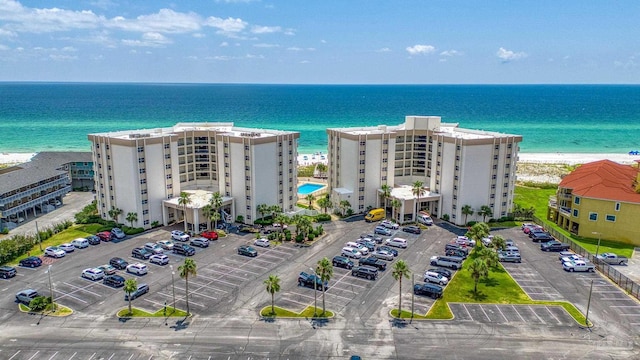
point(598, 246)
point(315, 292)
point(38, 235)
point(413, 294)
point(53, 303)
point(173, 288)
point(586, 317)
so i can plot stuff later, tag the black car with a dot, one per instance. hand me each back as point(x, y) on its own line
point(141, 253)
point(430, 290)
point(183, 249)
point(444, 272)
point(7, 272)
point(456, 252)
point(374, 262)
point(554, 246)
point(31, 261)
point(454, 246)
point(541, 237)
point(388, 248)
point(368, 272)
point(118, 263)
point(368, 244)
point(343, 262)
point(412, 229)
point(247, 250)
point(93, 240)
point(311, 281)
point(113, 280)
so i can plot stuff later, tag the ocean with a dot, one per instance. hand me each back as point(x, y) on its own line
point(551, 118)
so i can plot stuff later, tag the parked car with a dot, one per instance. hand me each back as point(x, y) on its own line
point(184, 249)
point(578, 265)
point(570, 258)
point(435, 278)
point(455, 246)
point(179, 236)
point(211, 235)
point(160, 259)
point(25, 296)
point(442, 271)
point(93, 240)
point(382, 230)
point(397, 242)
point(430, 290)
point(104, 236)
point(343, 262)
point(412, 229)
point(374, 262)
point(363, 249)
point(137, 268)
point(113, 280)
point(166, 244)
point(390, 224)
point(372, 237)
point(351, 252)
point(456, 252)
point(369, 244)
point(92, 274)
point(67, 247)
point(141, 253)
point(263, 242)
point(107, 269)
point(31, 261)
point(140, 290)
point(611, 258)
point(118, 263)
point(199, 242)
point(7, 272)
point(383, 255)
point(511, 249)
point(80, 243)
point(54, 251)
point(393, 251)
point(368, 272)
point(247, 250)
point(118, 233)
point(311, 281)
point(554, 246)
point(541, 237)
point(465, 241)
point(562, 254)
point(153, 248)
point(505, 256)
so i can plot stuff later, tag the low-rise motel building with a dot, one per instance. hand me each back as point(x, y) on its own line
point(600, 199)
point(457, 167)
point(145, 171)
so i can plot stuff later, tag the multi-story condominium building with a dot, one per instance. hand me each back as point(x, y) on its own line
point(40, 184)
point(457, 167)
point(599, 199)
point(144, 171)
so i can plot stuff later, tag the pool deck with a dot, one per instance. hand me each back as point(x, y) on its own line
point(314, 181)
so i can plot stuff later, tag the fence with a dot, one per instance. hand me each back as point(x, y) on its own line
point(609, 271)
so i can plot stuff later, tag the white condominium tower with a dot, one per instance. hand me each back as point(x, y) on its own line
point(457, 167)
point(144, 172)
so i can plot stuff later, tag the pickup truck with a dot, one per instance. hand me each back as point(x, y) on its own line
point(375, 262)
point(611, 258)
point(308, 280)
point(578, 265)
point(452, 262)
point(554, 246)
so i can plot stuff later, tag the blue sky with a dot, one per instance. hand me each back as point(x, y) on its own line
point(321, 42)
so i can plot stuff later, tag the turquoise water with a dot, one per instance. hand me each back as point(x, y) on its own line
point(308, 188)
point(551, 118)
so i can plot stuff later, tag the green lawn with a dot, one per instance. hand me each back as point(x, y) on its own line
point(538, 198)
point(135, 312)
point(62, 237)
point(286, 313)
point(61, 310)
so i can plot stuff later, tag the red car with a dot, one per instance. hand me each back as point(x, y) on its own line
point(104, 236)
point(211, 235)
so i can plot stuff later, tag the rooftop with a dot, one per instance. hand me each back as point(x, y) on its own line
point(405, 192)
point(603, 179)
point(226, 128)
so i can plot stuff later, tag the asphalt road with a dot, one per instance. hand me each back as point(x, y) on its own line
point(228, 292)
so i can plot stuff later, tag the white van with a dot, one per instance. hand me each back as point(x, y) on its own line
point(351, 252)
point(397, 242)
point(424, 218)
point(363, 249)
point(80, 243)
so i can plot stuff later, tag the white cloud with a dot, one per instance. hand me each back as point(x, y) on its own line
point(451, 53)
point(62, 57)
point(150, 39)
point(4, 47)
point(630, 63)
point(198, 35)
point(265, 29)
point(295, 48)
point(224, 44)
point(69, 48)
point(290, 32)
point(266, 45)
point(165, 21)
point(384, 49)
point(7, 34)
point(508, 55)
point(18, 18)
point(228, 25)
point(420, 49)
point(305, 62)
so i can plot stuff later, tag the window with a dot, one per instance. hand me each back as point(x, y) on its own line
point(361, 171)
point(170, 186)
point(504, 203)
point(593, 216)
point(140, 149)
point(611, 218)
point(143, 181)
point(168, 166)
point(167, 156)
point(494, 176)
point(576, 200)
point(361, 162)
point(495, 157)
point(142, 171)
point(617, 206)
point(145, 212)
point(146, 222)
point(140, 160)
point(166, 146)
point(362, 143)
point(575, 212)
point(168, 176)
point(361, 198)
point(506, 185)
point(362, 152)
point(143, 191)
point(504, 194)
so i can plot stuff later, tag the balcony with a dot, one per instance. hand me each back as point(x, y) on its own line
point(564, 210)
point(35, 190)
point(37, 201)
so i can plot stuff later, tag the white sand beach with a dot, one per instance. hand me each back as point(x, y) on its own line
point(15, 158)
point(573, 159)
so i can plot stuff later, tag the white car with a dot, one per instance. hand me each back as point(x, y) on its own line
point(390, 224)
point(463, 240)
point(118, 233)
point(180, 236)
point(80, 243)
point(92, 274)
point(138, 269)
point(166, 244)
point(67, 247)
point(264, 242)
point(571, 258)
point(384, 255)
point(578, 265)
point(434, 277)
point(154, 248)
point(160, 259)
point(54, 251)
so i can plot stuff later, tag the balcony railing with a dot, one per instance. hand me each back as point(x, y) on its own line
point(35, 190)
point(37, 201)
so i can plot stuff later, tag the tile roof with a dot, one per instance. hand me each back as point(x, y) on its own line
point(603, 179)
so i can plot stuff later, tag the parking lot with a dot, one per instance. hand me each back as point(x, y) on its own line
point(496, 313)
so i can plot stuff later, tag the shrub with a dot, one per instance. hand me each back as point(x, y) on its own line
point(322, 217)
point(319, 230)
point(39, 303)
point(349, 211)
point(445, 217)
point(299, 238)
point(471, 223)
point(155, 224)
point(311, 236)
point(287, 235)
point(5, 231)
point(240, 219)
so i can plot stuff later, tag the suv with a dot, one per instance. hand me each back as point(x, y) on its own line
point(118, 263)
point(311, 281)
point(138, 269)
point(343, 262)
point(25, 296)
point(118, 233)
point(93, 240)
point(369, 244)
point(54, 251)
point(113, 280)
point(368, 272)
point(200, 242)
point(382, 230)
point(104, 236)
point(431, 290)
point(92, 274)
point(456, 252)
point(554, 246)
point(179, 236)
point(31, 261)
point(141, 290)
point(141, 253)
point(393, 251)
point(435, 278)
point(7, 272)
point(183, 249)
point(444, 272)
point(154, 248)
point(509, 256)
point(412, 229)
point(373, 262)
point(390, 224)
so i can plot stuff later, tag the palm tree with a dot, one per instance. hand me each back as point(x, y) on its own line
point(400, 270)
point(114, 213)
point(283, 220)
point(130, 285)
point(132, 217)
point(478, 269)
point(184, 200)
point(275, 210)
point(325, 272)
point(216, 200)
point(322, 169)
point(395, 204)
point(478, 232)
point(324, 202)
point(310, 198)
point(386, 194)
point(466, 211)
point(417, 189)
point(215, 217)
point(498, 242)
point(185, 270)
point(273, 286)
point(207, 210)
point(484, 212)
point(344, 205)
point(262, 209)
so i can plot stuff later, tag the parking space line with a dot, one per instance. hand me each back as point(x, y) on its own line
point(130, 357)
point(54, 354)
point(607, 291)
point(182, 297)
point(625, 306)
point(232, 269)
point(14, 355)
point(297, 302)
point(467, 310)
point(64, 295)
point(485, 313)
point(82, 288)
point(230, 274)
point(500, 311)
point(72, 356)
point(246, 263)
point(221, 281)
point(534, 313)
point(209, 285)
point(630, 314)
point(549, 311)
point(517, 312)
point(94, 354)
point(112, 355)
point(338, 296)
point(613, 299)
point(34, 355)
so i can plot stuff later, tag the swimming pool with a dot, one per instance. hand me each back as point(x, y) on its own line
point(308, 188)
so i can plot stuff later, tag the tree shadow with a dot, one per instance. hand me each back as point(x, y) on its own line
point(180, 325)
point(268, 318)
point(491, 282)
point(477, 296)
point(399, 323)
